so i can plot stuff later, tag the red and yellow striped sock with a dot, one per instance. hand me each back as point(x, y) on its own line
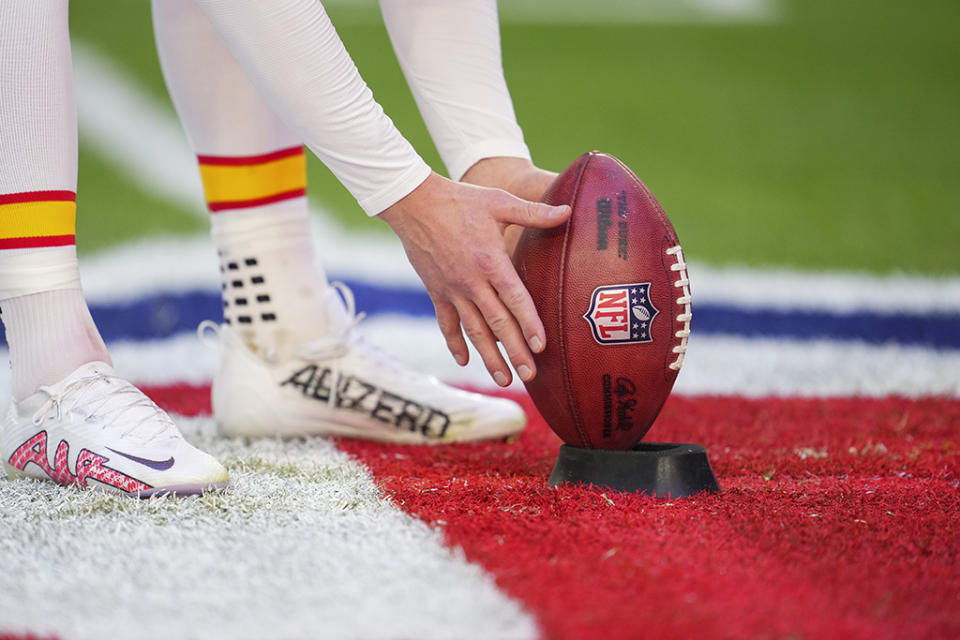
point(274, 292)
point(48, 326)
point(38, 219)
point(241, 182)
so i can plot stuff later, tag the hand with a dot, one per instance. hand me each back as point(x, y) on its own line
point(453, 236)
point(518, 176)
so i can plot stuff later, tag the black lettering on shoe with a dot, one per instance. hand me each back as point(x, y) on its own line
point(302, 378)
point(358, 395)
point(435, 426)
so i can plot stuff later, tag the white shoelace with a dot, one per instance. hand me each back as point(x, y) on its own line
point(108, 399)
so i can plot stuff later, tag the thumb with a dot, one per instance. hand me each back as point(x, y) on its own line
point(535, 214)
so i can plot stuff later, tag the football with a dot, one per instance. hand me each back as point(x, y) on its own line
point(612, 290)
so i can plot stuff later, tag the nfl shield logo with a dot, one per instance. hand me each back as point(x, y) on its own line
point(621, 313)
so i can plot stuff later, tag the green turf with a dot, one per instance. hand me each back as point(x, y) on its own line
point(825, 141)
point(111, 209)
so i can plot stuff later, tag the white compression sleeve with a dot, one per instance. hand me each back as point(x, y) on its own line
point(295, 58)
point(220, 110)
point(449, 51)
point(38, 149)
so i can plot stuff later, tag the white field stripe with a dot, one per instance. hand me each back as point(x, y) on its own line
point(624, 11)
point(620, 12)
point(301, 546)
point(839, 292)
point(140, 136)
point(189, 264)
point(770, 367)
point(714, 365)
point(113, 112)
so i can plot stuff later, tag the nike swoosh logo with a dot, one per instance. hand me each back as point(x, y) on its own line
point(159, 465)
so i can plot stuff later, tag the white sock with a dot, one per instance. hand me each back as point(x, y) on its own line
point(50, 335)
point(274, 294)
point(48, 325)
point(253, 169)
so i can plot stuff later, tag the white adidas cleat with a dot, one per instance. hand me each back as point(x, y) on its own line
point(343, 386)
point(95, 430)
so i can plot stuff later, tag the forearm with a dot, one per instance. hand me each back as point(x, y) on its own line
point(294, 57)
point(449, 51)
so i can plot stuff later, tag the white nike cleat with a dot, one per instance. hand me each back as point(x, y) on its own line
point(341, 385)
point(95, 430)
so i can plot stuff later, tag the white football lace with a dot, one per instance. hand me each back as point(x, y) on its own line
point(684, 318)
point(107, 399)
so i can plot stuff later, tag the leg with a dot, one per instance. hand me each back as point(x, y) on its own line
point(49, 329)
point(254, 175)
point(291, 363)
point(70, 411)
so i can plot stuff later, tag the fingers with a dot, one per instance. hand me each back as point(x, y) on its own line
point(485, 329)
point(477, 328)
point(511, 236)
point(449, 321)
point(454, 237)
point(519, 305)
point(532, 214)
point(504, 326)
point(506, 316)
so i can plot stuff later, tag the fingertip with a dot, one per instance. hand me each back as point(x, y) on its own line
point(559, 211)
point(461, 358)
point(501, 378)
point(536, 344)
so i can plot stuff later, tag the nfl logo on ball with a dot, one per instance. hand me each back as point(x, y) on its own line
point(621, 313)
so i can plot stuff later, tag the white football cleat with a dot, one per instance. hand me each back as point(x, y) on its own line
point(341, 385)
point(95, 430)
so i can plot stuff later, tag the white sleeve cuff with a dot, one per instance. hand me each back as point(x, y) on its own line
point(397, 190)
point(509, 148)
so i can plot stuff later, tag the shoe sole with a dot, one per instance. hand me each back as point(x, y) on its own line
point(332, 429)
point(177, 490)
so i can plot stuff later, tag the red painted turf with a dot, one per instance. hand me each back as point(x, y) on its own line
point(838, 519)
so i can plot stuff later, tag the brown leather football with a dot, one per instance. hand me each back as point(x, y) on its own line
point(611, 288)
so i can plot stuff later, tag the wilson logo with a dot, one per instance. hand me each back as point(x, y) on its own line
point(621, 313)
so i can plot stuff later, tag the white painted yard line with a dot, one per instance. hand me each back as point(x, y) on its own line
point(113, 112)
point(625, 11)
point(772, 367)
point(714, 365)
point(619, 12)
point(841, 292)
point(138, 135)
point(189, 264)
point(301, 546)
